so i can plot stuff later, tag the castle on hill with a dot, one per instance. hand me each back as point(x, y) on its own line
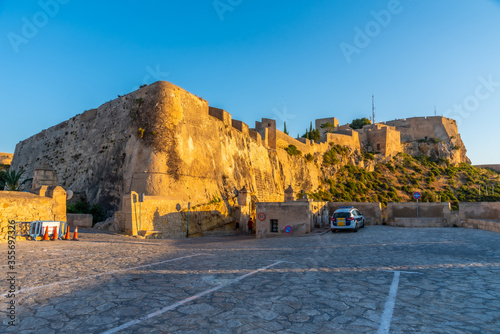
point(164, 141)
point(385, 138)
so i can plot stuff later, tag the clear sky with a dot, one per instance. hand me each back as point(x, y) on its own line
point(293, 61)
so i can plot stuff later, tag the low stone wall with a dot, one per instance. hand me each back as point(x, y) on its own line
point(479, 210)
point(494, 167)
point(49, 204)
point(440, 210)
point(371, 211)
point(420, 222)
point(80, 220)
point(295, 214)
point(482, 215)
point(490, 225)
point(168, 218)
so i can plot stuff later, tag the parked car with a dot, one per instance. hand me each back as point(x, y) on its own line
point(347, 218)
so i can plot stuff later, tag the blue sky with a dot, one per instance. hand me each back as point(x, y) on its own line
point(291, 61)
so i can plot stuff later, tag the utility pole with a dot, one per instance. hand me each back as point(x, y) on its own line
point(373, 109)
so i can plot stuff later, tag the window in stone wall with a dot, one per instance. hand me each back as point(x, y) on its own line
point(274, 225)
point(378, 147)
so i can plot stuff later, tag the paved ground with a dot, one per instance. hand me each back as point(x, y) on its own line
point(381, 279)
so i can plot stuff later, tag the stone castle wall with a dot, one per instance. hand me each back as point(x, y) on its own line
point(417, 130)
point(319, 122)
point(185, 151)
point(380, 138)
point(96, 153)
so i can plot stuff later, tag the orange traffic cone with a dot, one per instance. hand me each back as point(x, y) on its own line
point(75, 234)
point(46, 234)
point(66, 236)
point(54, 235)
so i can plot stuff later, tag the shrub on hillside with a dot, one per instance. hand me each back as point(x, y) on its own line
point(292, 150)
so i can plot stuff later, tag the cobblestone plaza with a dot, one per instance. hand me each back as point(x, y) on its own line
point(382, 279)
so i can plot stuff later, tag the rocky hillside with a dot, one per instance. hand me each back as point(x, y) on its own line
point(349, 176)
point(451, 149)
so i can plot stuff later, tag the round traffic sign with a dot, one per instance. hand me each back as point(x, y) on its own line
point(288, 229)
point(261, 216)
point(417, 195)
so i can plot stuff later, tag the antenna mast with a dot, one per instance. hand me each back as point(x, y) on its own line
point(373, 109)
point(435, 111)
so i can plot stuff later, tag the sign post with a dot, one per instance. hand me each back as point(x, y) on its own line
point(187, 228)
point(141, 200)
point(417, 196)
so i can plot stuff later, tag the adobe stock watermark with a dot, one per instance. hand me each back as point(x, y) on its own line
point(156, 74)
point(223, 6)
point(30, 28)
point(363, 37)
point(484, 90)
point(283, 115)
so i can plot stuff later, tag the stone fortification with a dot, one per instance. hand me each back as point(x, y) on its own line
point(380, 138)
point(436, 137)
point(319, 122)
point(163, 141)
point(416, 128)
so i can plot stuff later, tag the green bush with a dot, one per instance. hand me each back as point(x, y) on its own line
point(368, 156)
point(83, 207)
point(292, 150)
point(359, 123)
point(309, 157)
point(313, 135)
point(330, 158)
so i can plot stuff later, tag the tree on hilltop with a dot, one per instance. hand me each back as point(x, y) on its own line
point(358, 123)
point(313, 135)
point(328, 126)
point(285, 130)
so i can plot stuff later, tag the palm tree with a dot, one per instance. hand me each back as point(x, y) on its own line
point(10, 180)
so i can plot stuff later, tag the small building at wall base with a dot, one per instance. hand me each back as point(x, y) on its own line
point(301, 216)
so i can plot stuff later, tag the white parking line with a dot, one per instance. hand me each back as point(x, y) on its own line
point(187, 300)
point(105, 273)
point(385, 323)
